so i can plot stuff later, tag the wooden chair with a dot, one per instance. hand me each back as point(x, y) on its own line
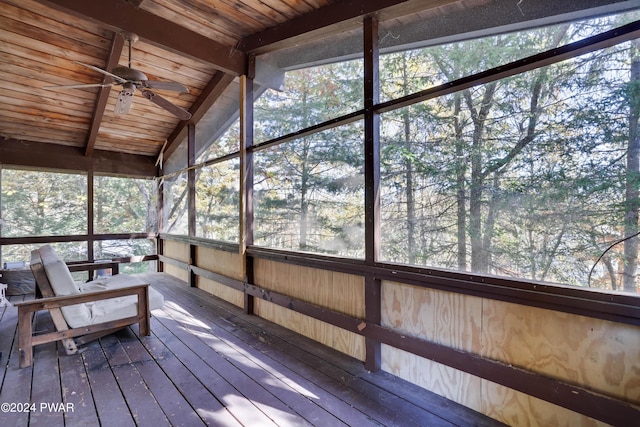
point(72, 337)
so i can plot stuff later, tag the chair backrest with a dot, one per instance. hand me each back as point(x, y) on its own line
point(54, 279)
point(58, 273)
point(43, 287)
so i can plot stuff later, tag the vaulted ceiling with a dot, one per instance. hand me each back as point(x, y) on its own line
point(202, 44)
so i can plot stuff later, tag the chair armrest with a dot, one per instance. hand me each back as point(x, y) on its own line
point(92, 266)
point(62, 301)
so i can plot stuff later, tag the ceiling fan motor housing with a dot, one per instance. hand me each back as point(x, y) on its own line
point(128, 89)
point(129, 74)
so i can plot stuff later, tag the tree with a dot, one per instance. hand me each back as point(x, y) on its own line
point(632, 184)
point(298, 184)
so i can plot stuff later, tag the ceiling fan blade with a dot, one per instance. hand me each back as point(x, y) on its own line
point(124, 102)
point(173, 86)
point(161, 102)
point(118, 79)
point(78, 86)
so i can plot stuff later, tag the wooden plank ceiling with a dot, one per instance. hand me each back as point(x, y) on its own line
point(201, 44)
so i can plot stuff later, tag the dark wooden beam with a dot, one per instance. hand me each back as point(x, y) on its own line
point(121, 15)
point(347, 14)
point(41, 240)
point(372, 286)
point(207, 98)
point(53, 156)
point(103, 94)
point(191, 179)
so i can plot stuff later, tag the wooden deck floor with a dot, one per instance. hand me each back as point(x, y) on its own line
point(206, 363)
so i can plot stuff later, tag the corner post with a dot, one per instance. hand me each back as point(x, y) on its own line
point(246, 178)
point(191, 183)
point(372, 286)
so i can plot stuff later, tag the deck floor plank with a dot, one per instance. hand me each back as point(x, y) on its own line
point(140, 400)
point(324, 366)
point(337, 398)
point(269, 376)
point(77, 392)
point(16, 383)
point(206, 405)
point(208, 363)
point(244, 409)
point(47, 371)
point(108, 398)
point(177, 409)
point(251, 381)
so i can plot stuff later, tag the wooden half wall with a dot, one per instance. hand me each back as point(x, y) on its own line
point(520, 364)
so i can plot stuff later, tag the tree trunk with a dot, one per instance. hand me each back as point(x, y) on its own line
point(632, 191)
point(409, 191)
point(461, 192)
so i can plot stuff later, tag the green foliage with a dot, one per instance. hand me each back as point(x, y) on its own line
point(43, 203)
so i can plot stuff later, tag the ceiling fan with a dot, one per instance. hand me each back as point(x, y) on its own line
point(131, 79)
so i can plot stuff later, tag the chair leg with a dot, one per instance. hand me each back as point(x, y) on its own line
point(25, 332)
point(61, 325)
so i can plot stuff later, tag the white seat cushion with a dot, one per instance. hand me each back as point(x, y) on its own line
point(80, 315)
point(63, 284)
point(114, 308)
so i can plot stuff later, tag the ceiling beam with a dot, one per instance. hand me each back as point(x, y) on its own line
point(121, 15)
point(207, 98)
point(103, 94)
point(339, 16)
point(59, 157)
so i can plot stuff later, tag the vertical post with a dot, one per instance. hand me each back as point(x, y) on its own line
point(191, 208)
point(90, 218)
point(1, 210)
point(191, 179)
point(160, 221)
point(246, 178)
point(372, 185)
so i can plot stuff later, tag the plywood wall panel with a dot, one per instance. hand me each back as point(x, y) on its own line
point(518, 409)
point(309, 284)
point(224, 292)
point(329, 335)
point(271, 275)
point(599, 354)
point(223, 262)
point(442, 317)
point(337, 291)
point(176, 272)
point(347, 294)
point(176, 250)
point(440, 379)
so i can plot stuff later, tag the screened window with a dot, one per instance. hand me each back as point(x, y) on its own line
point(37, 203)
point(310, 96)
point(526, 177)
point(309, 193)
point(218, 200)
point(175, 204)
point(110, 249)
point(124, 205)
point(68, 251)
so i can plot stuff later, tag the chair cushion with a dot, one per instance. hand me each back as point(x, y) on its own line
point(57, 272)
point(62, 283)
point(116, 308)
point(77, 315)
point(91, 313)
point(60, 278)
point(119, 308)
